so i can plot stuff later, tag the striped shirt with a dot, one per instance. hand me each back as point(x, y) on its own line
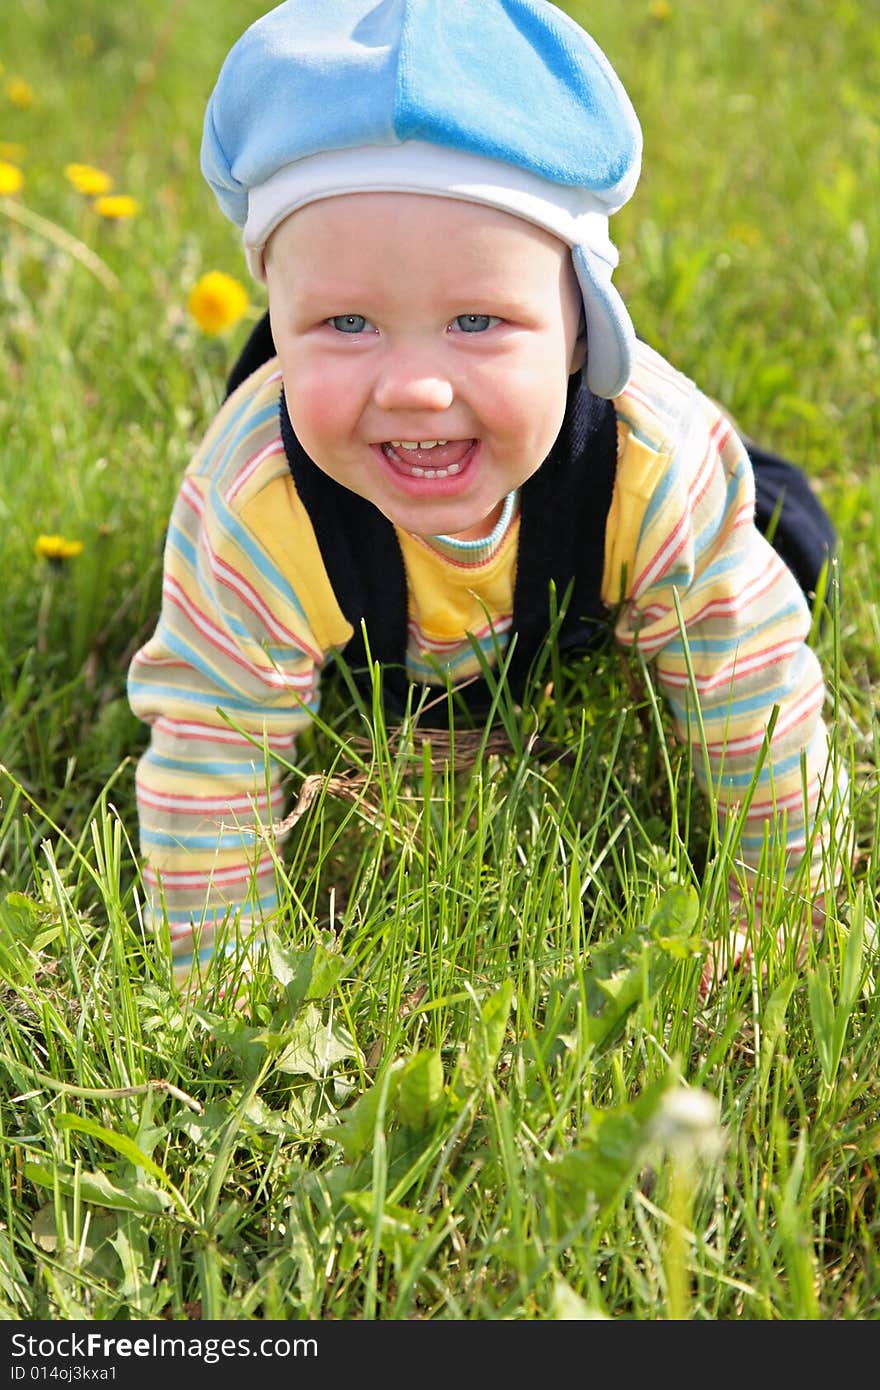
point(232, 674)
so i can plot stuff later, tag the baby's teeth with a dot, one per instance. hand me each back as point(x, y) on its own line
point(429, 473)
point(417, 443)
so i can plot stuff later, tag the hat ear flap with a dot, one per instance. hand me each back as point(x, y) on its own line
point(611, 338)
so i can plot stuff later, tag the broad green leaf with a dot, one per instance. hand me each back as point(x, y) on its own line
point(314, 1048)
point(830, 1023)
point(422, 1094)
point(250, 1045)
point(264, 1119)
point(18, 921)
point(99, 1189)
point(397, 1218)
point(47, 936)
point(559, 1033)
point(132, 1248)
point(23, 907)
point(487, 1037)
point(120, 1142)
point(203, 1129)
point(633, 967)
point(397, 1225)
point(355, 1133)
point(310, 974)
point(611, 996)
point(673, 921)
point(609, 1151)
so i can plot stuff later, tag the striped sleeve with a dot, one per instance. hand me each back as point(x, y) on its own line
point(225, 683)
point(743, 627)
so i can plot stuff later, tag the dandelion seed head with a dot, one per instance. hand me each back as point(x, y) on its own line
point(687, 1123)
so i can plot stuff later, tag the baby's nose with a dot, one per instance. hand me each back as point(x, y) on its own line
point(411, 387)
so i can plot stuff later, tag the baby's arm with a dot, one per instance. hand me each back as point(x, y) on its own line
point(225, 683)
point(747, 622)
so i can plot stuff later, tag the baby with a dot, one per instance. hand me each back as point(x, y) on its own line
point(454, 416)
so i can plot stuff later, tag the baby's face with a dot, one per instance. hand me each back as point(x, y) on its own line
point(402, 319)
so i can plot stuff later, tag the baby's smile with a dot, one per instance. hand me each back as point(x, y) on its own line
point(429, 458)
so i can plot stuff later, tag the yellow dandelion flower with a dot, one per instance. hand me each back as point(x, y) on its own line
point(20, 92)
point(87, 179)
point(660, 10)
point(116, 206)
point(57, 548)
point(11, 178)
point(12, 150)
point(217, 302)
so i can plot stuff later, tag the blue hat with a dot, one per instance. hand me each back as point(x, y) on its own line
point(502, 102)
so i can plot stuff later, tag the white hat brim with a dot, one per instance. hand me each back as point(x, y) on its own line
point(611, 338)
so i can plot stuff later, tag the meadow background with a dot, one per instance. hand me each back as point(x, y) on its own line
point(474, 1078)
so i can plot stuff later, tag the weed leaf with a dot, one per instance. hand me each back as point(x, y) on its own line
point(609, 1151)
point(634, 966)
point(310, 974)
point(101, 1190)
point(422, 1095)
point(120, 1142)
point(315, 1047)
point(355, 1132)
point(487, 1036)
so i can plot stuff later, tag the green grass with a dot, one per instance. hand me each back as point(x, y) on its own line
point(452, 1090)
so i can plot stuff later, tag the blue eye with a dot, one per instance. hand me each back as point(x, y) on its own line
point(475, 323)
point(348, 323)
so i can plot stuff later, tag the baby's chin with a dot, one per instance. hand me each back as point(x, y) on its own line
point(456, 529)
point(481, 531)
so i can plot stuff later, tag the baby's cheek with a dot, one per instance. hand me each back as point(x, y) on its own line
point(315, 402)
point(530, 408)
